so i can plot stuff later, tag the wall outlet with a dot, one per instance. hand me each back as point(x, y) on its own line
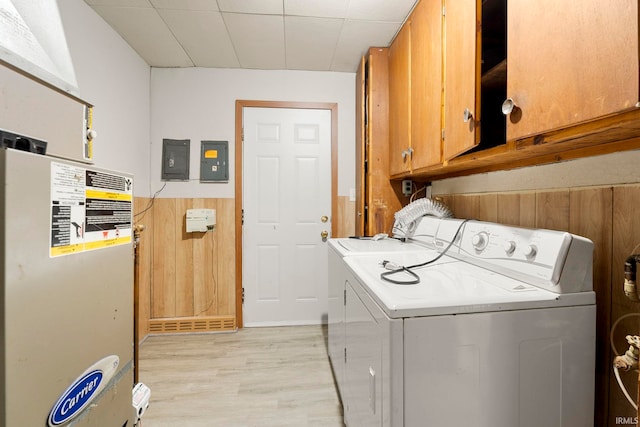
point(407, 187)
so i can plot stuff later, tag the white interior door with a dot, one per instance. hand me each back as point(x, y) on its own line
point(287, 207)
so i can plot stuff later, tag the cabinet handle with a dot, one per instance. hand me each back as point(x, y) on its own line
point(468, 115)
point(407, 152)
point(508, 106)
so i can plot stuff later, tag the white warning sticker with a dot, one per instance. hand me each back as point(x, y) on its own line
point(90, 209)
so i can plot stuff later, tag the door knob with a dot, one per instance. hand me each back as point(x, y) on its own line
point(407, 153)
point(467, 115)
point(324, 234)
point(508, 106)
point(324, 218)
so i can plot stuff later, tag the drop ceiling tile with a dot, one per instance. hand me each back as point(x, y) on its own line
point(147, 34)
point(120, 3)
point(185, 4)
point(253, 33)
point(259, 7)
point(204, 37)
point(380, 10)
point(257, 39)
point(321, 9)
point(311, 42)
point(356, 38)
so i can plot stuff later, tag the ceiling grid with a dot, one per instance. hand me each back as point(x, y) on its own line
point(328, 35)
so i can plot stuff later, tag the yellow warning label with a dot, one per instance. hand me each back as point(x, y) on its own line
point(106, 195)
point(66, 250)
point(88, 246)
point(106, 243)
point(211, 154)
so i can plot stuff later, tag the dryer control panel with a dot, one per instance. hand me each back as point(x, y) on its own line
point(554, 260)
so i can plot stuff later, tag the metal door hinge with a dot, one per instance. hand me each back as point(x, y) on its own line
point(243, 296)
point(242, 217)
point(345, 355)
point(345, 297)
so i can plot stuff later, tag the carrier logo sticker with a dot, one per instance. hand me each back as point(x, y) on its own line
point(83, 390)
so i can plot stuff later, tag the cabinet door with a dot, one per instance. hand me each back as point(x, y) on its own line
point(381, 197)
point(462, 77)
point(570, 62)
point(360, 148)
point(400, 102)
point(426, 84)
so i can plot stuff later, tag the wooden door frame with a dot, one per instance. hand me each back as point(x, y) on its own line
point(239, 140)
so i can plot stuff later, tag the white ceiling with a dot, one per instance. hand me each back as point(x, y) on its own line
point(319, 35)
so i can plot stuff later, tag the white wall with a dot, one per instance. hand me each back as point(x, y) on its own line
point(611, 169)
point(113, 78)
point(199, 104)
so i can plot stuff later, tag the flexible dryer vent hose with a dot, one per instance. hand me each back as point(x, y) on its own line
point(419, 208)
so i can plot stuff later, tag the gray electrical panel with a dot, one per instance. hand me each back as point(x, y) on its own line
point(214, 161)
point(175, 159)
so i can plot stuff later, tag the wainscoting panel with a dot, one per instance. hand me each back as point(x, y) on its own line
point(163, 279)
point(347, 217)
point(192, 281)
point(143, 217)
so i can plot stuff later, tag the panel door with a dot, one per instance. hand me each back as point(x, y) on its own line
point(286, 194)
point(461, 93)
point(400, 102)
point(570, 63)
point(426, 84)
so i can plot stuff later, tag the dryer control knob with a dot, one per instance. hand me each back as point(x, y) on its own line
point(480, 240)
point(509, 246)
point(530, 251)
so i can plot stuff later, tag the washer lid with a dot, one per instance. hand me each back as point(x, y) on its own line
point(360, 246)
point(450, 286)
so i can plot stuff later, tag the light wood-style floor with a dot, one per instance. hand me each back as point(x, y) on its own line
point(257, 377)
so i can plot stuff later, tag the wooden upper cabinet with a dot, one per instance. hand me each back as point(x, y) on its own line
point(377, 198)
point(570, 63)
point(462, 114)
point(400, 102)
point(426, 84)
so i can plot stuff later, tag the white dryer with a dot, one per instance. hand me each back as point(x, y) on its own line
point(341, 324)
point(500, 333)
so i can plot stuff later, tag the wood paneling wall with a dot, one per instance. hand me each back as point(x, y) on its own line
point(346, 217)
point(187, 280)
point(607, 216)
point(143, 216)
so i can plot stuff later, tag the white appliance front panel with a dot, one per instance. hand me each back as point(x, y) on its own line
point(34, 110)
point(525, 368)
point(61, 314)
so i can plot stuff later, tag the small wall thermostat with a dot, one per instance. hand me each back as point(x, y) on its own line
point(214, 161)
point(200, 220)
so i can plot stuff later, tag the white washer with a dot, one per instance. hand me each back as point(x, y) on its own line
point(501, 336)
